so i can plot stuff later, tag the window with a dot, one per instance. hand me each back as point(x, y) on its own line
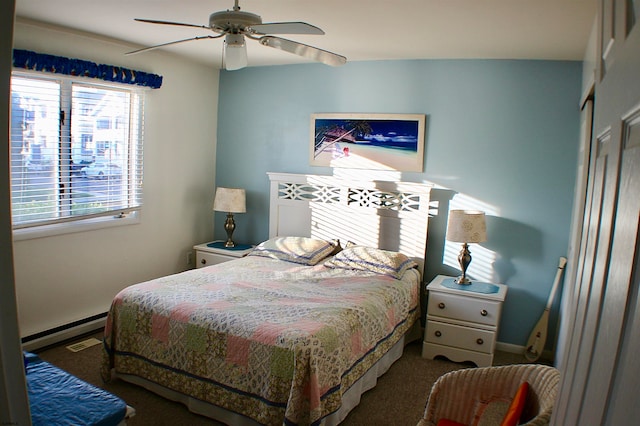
point(76, 150)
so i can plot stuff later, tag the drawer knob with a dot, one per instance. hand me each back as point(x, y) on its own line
point(480, 341)
point(484, 313)
point(441, 305)
point(437, 333)
point(203, 261)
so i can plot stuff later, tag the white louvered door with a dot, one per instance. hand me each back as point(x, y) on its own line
point(600, 379)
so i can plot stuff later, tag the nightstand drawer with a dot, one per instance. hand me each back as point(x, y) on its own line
point(456, 307)
point(473, 339)
point(207, 259)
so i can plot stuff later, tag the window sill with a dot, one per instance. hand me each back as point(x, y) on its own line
point(76, 226)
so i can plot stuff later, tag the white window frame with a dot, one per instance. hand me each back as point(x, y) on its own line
point(68, 225)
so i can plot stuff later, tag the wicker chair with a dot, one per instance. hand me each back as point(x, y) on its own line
point(460, 395)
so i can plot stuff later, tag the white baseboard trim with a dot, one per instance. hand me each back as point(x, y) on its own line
point(65, 334)
point(510, 348)
point(517, 349)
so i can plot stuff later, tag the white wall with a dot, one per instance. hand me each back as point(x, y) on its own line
point(65, 278)
point(14, 405)
point(490, 110)
point(589, 63)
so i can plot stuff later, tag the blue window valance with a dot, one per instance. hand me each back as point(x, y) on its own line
point(77, 67)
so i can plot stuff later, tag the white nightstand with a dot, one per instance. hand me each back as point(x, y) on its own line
point(207, 254)
point(462, 325)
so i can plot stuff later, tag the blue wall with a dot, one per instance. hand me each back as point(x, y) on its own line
point(502, 132)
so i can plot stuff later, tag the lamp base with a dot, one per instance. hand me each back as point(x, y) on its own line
point(236, 247)
point(464, 259)
point(473, 287)
point(229, 226)
point(463, 280)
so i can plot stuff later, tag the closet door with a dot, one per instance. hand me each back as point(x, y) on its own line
point(578, 235)
point(600, 376)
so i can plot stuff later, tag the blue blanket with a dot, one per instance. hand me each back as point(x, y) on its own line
point(58, 398)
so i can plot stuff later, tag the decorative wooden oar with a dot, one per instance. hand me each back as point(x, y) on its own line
point(538, 336)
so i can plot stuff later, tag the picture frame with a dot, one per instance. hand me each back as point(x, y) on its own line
point(368, 141)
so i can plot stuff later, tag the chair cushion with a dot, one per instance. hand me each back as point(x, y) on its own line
point(512, 418)
point(493, 412)
point(447, 422)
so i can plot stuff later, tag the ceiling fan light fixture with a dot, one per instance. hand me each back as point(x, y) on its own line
point(235, 52)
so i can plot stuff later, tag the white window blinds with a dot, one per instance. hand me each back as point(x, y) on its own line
point(76, 150)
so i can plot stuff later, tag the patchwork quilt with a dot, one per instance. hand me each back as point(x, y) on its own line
point(275, 341)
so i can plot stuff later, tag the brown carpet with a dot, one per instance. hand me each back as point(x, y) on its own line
point(398, 399)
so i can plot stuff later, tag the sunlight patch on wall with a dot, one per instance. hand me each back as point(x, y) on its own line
point(326, 224)
point(368, 230)
point(365, 208)
point(367, 175)
point(358, 162)
point(481, 267)
point(397, 231)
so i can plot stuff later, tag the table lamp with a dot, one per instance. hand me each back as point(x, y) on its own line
point(230, 200)
point(466, 226)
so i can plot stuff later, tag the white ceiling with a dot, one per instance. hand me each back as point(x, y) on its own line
point(361, 30)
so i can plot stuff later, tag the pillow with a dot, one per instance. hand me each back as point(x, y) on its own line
point(512, 418)
point(304, 250)
point(371, 259)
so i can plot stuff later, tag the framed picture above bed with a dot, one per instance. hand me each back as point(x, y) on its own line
point(368, 141)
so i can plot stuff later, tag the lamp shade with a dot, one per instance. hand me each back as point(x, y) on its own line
point(230, 200)
point(466, 226)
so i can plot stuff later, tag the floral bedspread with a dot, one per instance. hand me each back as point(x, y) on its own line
point(275, 341)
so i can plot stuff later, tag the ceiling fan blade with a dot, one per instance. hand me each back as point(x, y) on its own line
point(286, 28)
point(145, 49)
point(153, 21)
point(304, 50)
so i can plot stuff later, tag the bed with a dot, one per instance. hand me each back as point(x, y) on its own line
point(297, 330)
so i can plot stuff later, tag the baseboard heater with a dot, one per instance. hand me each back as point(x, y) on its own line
point(63, 332)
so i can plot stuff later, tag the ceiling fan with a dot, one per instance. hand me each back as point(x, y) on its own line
point(234, 25)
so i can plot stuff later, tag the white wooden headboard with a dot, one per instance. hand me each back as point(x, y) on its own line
point(387, 215)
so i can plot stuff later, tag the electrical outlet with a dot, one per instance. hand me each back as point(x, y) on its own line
point(189, 258)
